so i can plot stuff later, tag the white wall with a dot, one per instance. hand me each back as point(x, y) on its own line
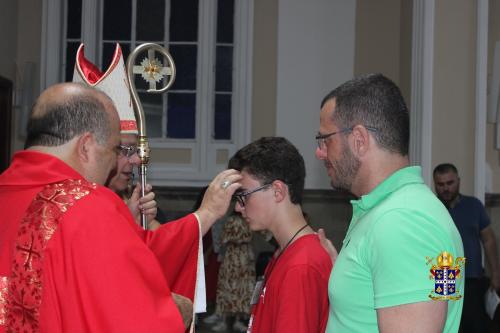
point(315, 54)
point(454, 84)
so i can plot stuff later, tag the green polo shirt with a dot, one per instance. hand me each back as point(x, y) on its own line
point(396, 233)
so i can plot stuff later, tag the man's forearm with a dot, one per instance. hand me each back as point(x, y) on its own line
point(490, 250)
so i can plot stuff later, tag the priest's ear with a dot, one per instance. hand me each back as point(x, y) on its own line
point(84, 146)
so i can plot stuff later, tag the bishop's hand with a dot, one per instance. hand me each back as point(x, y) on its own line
point(146, 204)
point(218, 197)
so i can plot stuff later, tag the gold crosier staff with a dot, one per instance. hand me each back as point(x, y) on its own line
point(152, 70)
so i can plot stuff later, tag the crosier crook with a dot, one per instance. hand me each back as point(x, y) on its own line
point(152, 71)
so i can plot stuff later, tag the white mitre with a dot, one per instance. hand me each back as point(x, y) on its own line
point(113, 82)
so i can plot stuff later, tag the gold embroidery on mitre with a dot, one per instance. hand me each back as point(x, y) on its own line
point(445, 276)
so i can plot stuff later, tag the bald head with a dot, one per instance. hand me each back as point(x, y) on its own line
point(66, 110)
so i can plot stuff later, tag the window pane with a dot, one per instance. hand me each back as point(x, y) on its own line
point(74, 19)
point(153, 123)
point(71, 48)
point(185, 61)
point(150, 99)
point(117, 19)
point(125, 50)
point(184, 20)
point(181, 115)
point(224, 69)
point(152, 105)
point(150, 20)
point(225, 21)
point(140, 83)
point(108, 49)
point(222, 117)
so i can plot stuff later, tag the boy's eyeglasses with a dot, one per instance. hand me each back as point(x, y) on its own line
point(241, 197)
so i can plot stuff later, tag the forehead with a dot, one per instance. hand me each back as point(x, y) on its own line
point(325, 116)
point(248, 181)
point(128, 139)
point(445, 177)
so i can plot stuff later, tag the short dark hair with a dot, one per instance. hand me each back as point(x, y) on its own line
point(373, 100)
point(63, 120)
point(445, 168)
point(273, 158)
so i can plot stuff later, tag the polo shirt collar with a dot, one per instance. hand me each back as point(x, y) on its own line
point(402, 177)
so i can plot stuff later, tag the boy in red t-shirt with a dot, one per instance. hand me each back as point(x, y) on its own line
point(293, 296)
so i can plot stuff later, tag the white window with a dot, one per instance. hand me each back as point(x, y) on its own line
point(205, 116)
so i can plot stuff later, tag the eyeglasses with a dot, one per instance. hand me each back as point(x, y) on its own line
point(242, 196)
point(321, 138)
point(127, 151)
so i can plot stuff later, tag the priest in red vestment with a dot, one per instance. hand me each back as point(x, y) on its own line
point(73, 258)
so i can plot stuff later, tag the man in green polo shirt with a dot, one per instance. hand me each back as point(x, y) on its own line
point(401, 266)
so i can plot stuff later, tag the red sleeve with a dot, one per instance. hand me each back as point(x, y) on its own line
point(176, 246)
point(303, 302)
point(99, 276)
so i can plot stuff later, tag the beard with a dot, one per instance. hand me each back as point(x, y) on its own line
point(448, 197)
point(344, 169)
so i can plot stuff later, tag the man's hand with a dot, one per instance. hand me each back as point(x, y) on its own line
point(495, 280)
point(327, 245)
point(490, 250)
point(185, 307)
point(217, 198)
point(145, 204)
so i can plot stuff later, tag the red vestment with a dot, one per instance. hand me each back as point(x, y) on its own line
point(74, 260)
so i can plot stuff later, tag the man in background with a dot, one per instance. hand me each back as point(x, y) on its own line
point(474, 226)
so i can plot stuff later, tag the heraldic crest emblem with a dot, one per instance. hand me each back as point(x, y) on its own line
point(445, 276)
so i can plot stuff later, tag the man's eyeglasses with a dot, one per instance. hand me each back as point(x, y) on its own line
point(241, 197)
point(127, 151)
point(321, 138)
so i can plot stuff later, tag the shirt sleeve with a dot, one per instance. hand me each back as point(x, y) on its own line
point(176, 245)
point(398, 248)
point(301, 299)
point(101, 277)
point(484, 219)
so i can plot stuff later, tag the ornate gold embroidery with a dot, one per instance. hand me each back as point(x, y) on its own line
point(4, 281)
point(21, 293)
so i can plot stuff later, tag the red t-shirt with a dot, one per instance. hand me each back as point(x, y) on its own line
point(295, 296)
point(80, 263)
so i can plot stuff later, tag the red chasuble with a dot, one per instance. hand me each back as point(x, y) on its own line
point(73, 259)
